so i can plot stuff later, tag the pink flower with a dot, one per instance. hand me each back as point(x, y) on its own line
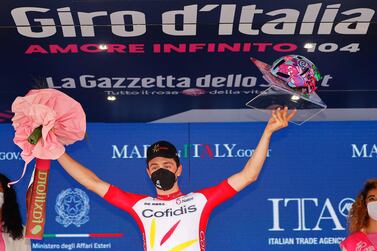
point(61, 117)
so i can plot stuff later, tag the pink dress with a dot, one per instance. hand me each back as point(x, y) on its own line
point(359, 241)
point(373, 238)
point(8, 244)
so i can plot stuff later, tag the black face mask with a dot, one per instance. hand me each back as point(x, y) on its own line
point(163, 179)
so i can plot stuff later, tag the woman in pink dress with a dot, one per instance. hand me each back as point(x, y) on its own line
point(363, 221)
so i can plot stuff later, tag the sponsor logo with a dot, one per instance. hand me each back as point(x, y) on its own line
point(345, 206)
point(38, 204)
point(160, 82)
point(193, 92)
point(305, 241)
point(235, 84)
point(202, 237)
point(148, 213)
point(72, 207)
point(318, 18)
point(320, 212)
point(154, 203)
point(189, 150)
point(364, 151)
point(232, 84)
point(183, 200)
point(157, 148)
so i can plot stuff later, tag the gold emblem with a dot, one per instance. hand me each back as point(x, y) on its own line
point(156, 148)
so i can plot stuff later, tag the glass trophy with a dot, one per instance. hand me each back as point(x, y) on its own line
point(278, 94)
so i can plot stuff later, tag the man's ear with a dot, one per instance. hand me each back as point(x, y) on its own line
point(179, 170)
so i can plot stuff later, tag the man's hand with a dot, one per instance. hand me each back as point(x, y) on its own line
point(279, 119)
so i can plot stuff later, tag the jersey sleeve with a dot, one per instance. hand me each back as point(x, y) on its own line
point(123, 200)
point(218, 194)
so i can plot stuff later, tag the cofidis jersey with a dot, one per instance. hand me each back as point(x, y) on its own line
point(175, 222)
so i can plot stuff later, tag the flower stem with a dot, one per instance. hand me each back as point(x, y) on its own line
point(35, 135)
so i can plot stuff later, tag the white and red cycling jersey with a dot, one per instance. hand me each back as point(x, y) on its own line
point(174, 222)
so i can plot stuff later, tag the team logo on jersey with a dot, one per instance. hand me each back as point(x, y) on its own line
point(167, 235)
point(180, 200)
point(72, 207)
point(169, 212)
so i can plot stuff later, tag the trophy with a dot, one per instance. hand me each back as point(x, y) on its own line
point(292, 82)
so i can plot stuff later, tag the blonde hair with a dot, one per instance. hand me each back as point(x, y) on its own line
point(358, 217)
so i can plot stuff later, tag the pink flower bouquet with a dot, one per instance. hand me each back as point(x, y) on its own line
point(45, 121)
point(60, 118)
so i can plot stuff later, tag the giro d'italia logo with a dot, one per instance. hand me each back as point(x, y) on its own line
point(72, 207)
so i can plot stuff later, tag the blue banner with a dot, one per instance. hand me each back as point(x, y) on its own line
point(299, 202)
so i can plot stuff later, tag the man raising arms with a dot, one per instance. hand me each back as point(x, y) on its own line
point(174, 221)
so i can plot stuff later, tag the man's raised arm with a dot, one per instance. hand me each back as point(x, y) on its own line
point(250, 172)
point(83, 175)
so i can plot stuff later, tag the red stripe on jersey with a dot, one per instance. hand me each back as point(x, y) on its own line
point(169, 233)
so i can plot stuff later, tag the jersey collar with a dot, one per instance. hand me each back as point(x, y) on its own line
point(170, 196)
